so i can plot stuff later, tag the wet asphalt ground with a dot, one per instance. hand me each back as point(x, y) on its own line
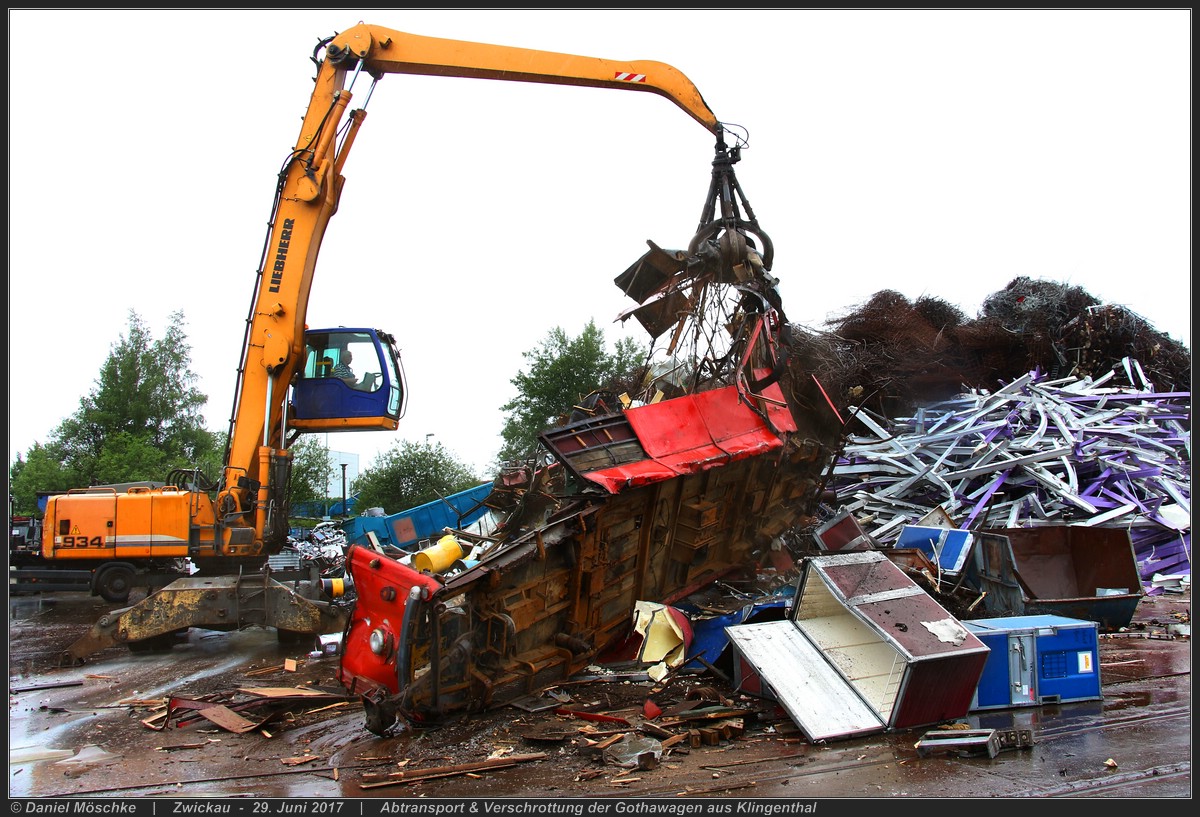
point(77, 732)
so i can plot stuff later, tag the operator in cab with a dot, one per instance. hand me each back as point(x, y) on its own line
point(343, 370)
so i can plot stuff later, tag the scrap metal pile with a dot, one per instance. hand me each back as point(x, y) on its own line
point(894, 355)
point(322, 548)
point(1110, 451)
point(700, 470)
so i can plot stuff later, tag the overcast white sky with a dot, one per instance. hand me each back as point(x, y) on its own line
point(925, 151)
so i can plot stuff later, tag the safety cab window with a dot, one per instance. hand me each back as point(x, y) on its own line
point(347, 356)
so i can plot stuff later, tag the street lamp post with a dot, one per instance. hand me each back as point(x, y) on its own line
point(344, 514)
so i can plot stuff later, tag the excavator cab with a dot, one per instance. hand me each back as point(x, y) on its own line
point(350, 380)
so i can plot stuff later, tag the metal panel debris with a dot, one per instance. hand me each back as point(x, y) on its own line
point(777, 661)
point(863, 649)
point(935, 663)
point(1066, 570)
point(960, 741)
point(1078, 451)
point(948, 547)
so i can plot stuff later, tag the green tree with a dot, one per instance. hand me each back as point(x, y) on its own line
point(312, 466)
point(411, 474)
point(560, 373)
point(41, 469)
point(142, 419)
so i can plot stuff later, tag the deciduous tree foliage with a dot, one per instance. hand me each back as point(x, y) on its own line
point(561, 372)
point(411, 474)
point(312, 466)
point(142, 418)
point(39, 470)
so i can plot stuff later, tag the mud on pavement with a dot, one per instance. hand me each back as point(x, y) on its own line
point(102, 730)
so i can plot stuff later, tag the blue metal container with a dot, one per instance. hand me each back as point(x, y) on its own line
point(1036, 660)
point(404, 530)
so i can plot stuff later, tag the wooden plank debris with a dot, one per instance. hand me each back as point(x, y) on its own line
point(177, 746)
point(414, 775)
point(711, 713)
point(256, 706)
point(655, 731)
point(254, 673)
point(227, 719)
point(157, 721)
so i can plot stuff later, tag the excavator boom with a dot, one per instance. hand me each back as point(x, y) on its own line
point(310, 188)
point(383, 51)
point(283, 388)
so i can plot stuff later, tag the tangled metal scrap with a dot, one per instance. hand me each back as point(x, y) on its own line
point(323, 548)
point(1037, 451)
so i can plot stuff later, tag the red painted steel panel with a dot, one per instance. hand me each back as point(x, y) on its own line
point(670, 427)
point(777, 410)
point(387, 583)
point(691, 434)
point(939, 690)
point(631, 475)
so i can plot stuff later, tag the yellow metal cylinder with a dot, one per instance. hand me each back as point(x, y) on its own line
point(438, 557)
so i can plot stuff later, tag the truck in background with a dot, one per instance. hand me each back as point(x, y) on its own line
point(111, 579)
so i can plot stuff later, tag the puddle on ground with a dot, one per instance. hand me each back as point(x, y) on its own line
point(30, 754)
point(22, 608)
point(89, 754)
point(1116, 701)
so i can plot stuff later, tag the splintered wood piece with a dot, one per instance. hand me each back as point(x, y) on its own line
point(264, 671)
point(397, 778)
point(290, 692)
point(173, 747)
point(227, 719)
point(655, 731)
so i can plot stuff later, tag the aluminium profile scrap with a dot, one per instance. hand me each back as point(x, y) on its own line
point(1036, 451)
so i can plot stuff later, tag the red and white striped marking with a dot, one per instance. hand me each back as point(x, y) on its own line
point(626, 76)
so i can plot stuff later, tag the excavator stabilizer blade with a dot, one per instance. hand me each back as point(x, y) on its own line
point(213, 603)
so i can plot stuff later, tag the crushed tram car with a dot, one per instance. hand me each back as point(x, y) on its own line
point(646, 500)
point(674, 515)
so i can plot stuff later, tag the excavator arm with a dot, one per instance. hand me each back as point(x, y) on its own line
point(309, 189)
point(381, 51)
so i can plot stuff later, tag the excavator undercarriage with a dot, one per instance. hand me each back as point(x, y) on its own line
point(224, 603)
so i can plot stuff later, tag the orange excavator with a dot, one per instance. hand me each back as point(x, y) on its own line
point(230, 525)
